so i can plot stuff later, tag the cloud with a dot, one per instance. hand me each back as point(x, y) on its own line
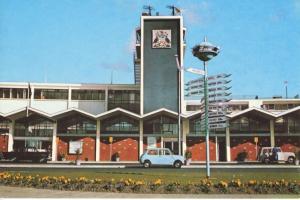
point(196, 13)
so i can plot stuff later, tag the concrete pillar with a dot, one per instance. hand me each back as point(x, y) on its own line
point(141, 143)
point(228, 152)
point(185, 131)
point(98, 141)
point(54, 142)
point(106, 99)
point(10, 146)
point(217, 148)
point(272, 131)
point(69, 97)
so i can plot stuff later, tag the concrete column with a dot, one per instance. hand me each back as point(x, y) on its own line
point(98, 141)
point(106, 99)
point(54, 142)
point(272, 131)
point(185, 131)
point(228, 152)
point(217, 148)
point(69, 97)
point(10, 146)
point(141, 143)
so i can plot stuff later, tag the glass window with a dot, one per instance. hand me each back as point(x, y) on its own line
point(88, 95)
point(19, 93)
point(4, 93)
point(50, 94)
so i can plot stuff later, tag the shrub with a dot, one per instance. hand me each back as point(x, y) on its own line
point(242, 156)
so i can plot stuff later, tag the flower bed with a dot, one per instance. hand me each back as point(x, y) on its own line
point(129, 185)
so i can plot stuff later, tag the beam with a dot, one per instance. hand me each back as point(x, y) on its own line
point(54, 142)
point(272, 131)
point(228, 150)
point(10, 145)
point(141, 131)
point(98, 140)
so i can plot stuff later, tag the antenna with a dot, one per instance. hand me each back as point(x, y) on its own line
point(111, 76)
point(149, 8)
point(174, 9)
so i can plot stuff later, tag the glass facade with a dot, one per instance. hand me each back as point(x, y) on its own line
point(76, 124)
point(88, 95)
point(34, 126)
point(119, 124)
point(50, 94)
point(250, 125)
point(4, 93)
point(127, 99)
point(161, 125)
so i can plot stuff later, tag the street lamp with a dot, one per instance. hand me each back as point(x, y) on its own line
point(205, 51)
point(286, 89)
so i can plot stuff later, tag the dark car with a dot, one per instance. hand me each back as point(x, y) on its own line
point(25, 154)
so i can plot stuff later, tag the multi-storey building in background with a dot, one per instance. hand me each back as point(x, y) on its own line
point(64, 117)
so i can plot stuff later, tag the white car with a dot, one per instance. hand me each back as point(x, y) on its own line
point(161, 156)
point(275, 154)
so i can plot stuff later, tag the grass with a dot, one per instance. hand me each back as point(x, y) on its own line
point(166, 174)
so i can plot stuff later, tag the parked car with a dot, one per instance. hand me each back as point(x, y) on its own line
point(275, 154)
point(28, 153)
point(161, 156)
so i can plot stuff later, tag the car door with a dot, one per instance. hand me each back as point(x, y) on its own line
point(165, 157)
point(153, 156)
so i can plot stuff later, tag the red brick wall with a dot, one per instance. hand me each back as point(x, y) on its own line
point(127, 148)
point(198, 148)
point(3, 143)
point(88, 150)
point(240, 144)
point(288, 144)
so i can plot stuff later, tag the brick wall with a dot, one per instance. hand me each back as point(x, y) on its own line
point(198, 148)
point(288, 144)
point(127, 148)
point(3, 143)
point(240, 144)
point(88, 149)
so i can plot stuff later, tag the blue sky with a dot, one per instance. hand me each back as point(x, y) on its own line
point(83, 41)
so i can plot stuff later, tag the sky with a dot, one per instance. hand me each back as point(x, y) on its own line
point(86, 41)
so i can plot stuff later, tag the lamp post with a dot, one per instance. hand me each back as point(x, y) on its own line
point(205, 51)
point(286, 89)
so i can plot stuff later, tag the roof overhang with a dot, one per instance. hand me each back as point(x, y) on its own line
point(117, 111)
point(70, 111)
point(20, 113)
point(260, 112)
point(160, 111)
point(293, 110)
point(194, 114)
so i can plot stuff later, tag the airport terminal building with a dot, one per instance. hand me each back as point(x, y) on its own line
point(102, 119)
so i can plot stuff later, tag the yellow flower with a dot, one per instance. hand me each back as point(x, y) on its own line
point(157, 182)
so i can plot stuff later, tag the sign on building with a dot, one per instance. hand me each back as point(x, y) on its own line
point(161, 39)
point(74, 146)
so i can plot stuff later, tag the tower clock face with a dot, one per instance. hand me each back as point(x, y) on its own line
point(161, 39)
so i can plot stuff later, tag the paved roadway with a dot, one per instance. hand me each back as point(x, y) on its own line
point(134, 165)
point(20, 192)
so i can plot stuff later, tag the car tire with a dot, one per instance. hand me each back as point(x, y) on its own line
point(291, 160)
point(147, 164)
point(177, 164)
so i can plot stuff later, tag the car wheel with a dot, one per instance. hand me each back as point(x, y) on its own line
point(177, 164)
point(291, 160)
point(147, 164)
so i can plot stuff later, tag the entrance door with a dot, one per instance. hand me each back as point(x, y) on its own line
point(222, 148)
point(172, 145)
